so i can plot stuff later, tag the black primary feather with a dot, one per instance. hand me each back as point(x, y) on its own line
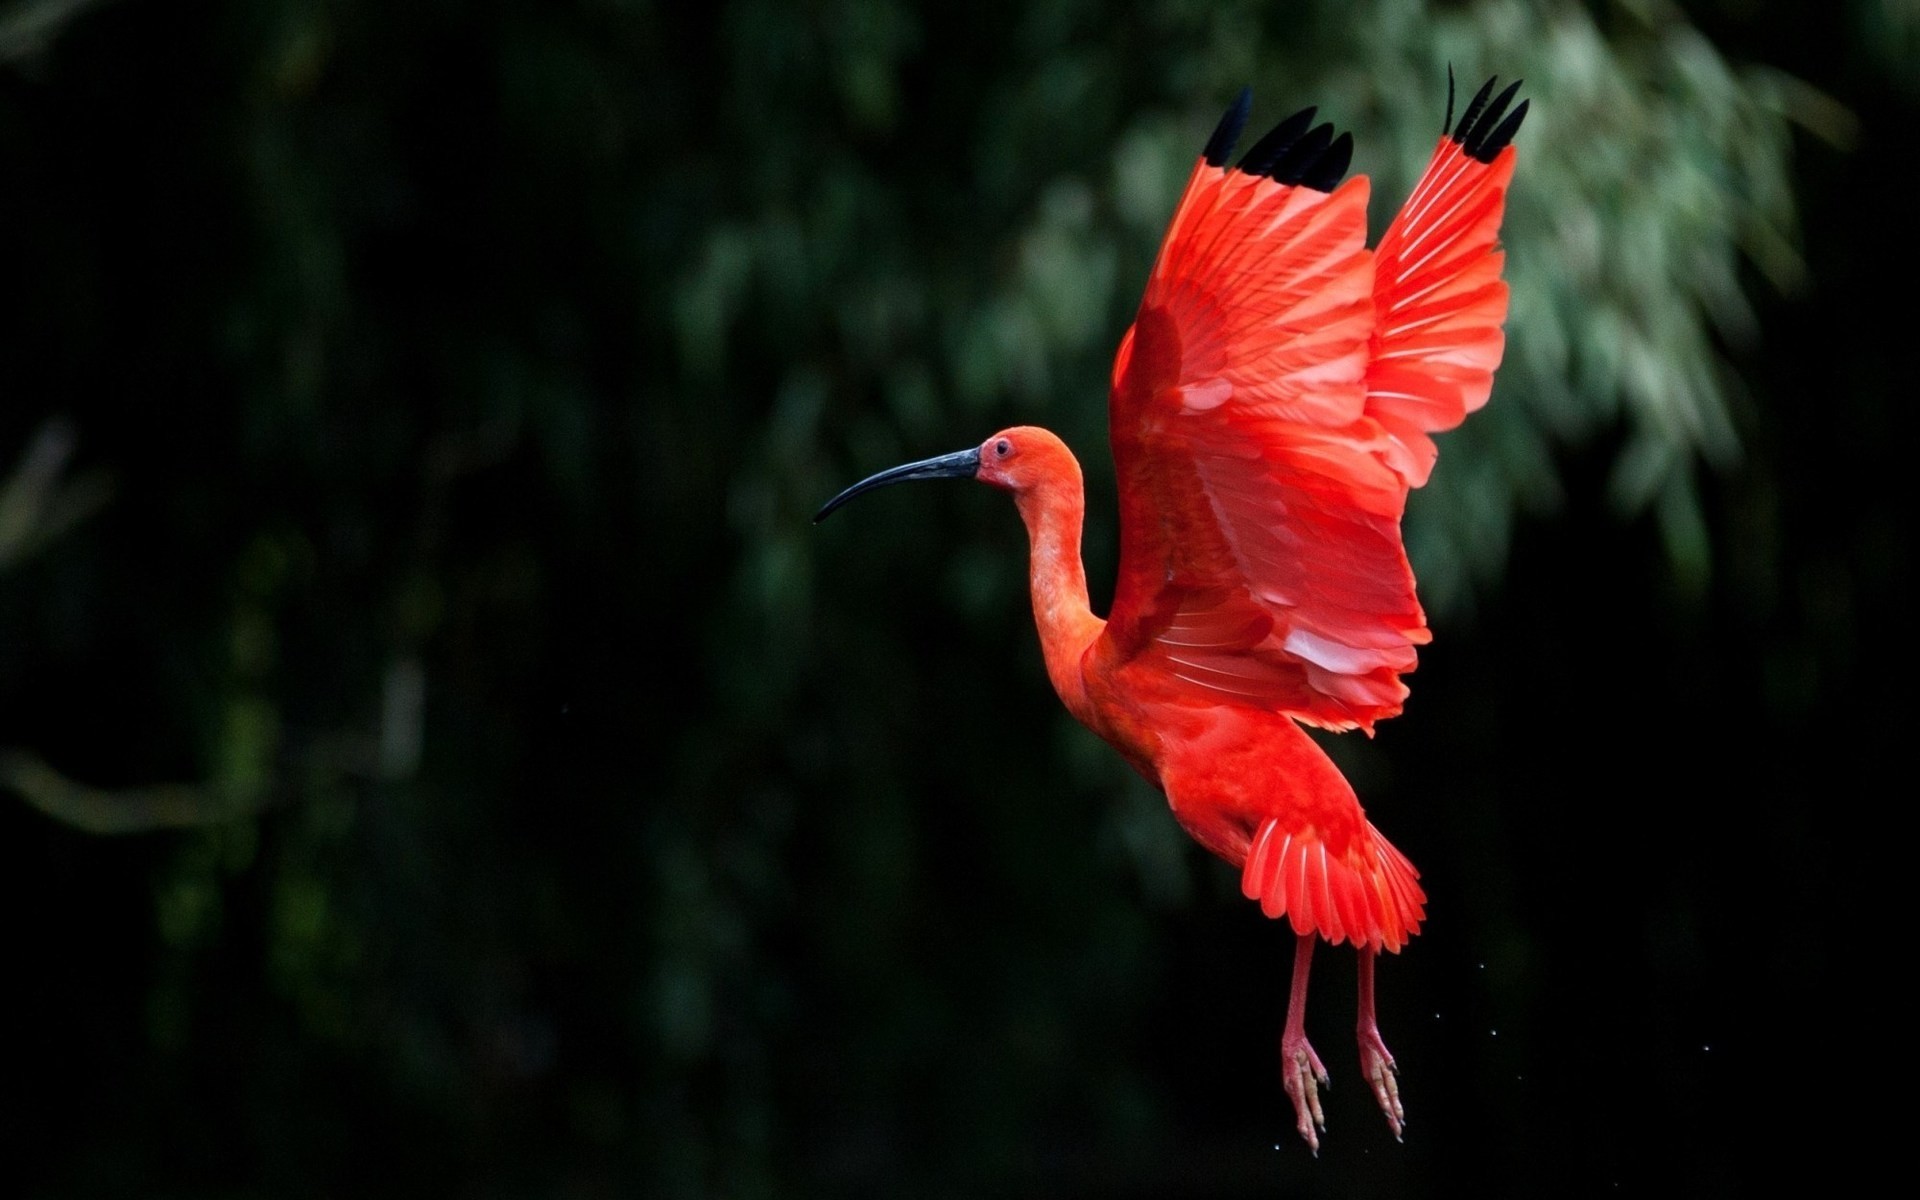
point(1474, 106)
point(1501, 137)
point(1290, 153)
point(1227, 132)
point(1481, 132)
point(1292, 167)
point(1325, 174)
point(1268, 149)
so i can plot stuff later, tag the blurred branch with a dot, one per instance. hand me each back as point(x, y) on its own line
point(35, 506)
point(126, 810)
point(391, 752)
point(26, 30)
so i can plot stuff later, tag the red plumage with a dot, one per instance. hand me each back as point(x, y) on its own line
point(1272, 404)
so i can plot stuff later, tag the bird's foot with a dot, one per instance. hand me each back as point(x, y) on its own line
point(1303, 1076)
point(1383, 1076)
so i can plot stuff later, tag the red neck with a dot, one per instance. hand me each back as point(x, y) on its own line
point(1054, 511)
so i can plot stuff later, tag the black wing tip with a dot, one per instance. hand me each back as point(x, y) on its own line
point(1278, 140)
point(1227, 132)
point(1482, 132)
point(1325, 174)
point(1290, 153)
point(1502, 136)
point(1302, 157)
point(1474, 106)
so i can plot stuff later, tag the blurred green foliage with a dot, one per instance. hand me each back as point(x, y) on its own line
point(414, 413)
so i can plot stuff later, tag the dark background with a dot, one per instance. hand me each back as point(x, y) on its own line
point(440, 758)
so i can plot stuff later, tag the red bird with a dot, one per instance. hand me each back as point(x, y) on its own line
point(1271, 407)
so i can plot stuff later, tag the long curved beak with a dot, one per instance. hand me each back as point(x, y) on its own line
point(964, 464)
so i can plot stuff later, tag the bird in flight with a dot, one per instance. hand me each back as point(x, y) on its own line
point(1271, 406)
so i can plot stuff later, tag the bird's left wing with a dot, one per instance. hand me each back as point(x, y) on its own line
point(1260, 554)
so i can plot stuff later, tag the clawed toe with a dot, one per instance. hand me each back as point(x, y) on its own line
point(1304, 1076)
point(1383, 1076)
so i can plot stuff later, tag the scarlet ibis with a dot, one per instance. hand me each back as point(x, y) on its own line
point(1271, 406)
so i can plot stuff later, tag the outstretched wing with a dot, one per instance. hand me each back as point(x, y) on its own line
point(1260, 491)
point(1438, 294)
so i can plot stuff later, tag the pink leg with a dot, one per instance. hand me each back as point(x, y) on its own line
point(1376, 1062)
point(1300, 1067)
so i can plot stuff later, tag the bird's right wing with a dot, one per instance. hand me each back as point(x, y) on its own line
point(1438, 292)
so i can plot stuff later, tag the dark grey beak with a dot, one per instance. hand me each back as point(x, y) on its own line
point(963, 465)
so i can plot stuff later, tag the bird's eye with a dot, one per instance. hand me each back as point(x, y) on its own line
point(1003, 447)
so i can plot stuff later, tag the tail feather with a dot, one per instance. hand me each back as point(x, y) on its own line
point(1369, 895)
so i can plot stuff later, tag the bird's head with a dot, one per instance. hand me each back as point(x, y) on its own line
point(1019, 460)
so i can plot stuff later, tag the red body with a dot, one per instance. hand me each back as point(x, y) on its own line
point(1271, 408)
point(1272, 405)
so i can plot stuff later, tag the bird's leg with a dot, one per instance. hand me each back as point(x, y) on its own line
point(1300, 1068)
point(1376, 1061)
